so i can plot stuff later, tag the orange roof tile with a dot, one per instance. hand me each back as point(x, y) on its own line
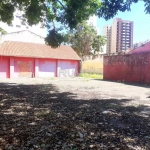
point(22, 49)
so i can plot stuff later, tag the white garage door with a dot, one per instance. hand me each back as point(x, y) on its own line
point(67, 68)
point(47, 68)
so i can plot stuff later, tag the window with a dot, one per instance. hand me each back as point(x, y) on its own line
point(11, 25)
point(19, 17)
point(18, 26)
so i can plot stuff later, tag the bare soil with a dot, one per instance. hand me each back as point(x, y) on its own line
point(73, 114)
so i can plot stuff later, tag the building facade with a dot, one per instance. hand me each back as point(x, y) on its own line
point(29, 60)
point(107, 33)
point(119, 35)
point(24, 54)
point(93, 22)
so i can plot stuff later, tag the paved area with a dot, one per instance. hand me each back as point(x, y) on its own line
point(73, 114)
point(92, 88)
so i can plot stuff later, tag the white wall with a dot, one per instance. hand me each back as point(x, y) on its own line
point(23, 36)
point(103, 50)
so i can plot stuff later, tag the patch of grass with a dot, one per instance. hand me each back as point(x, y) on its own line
point(35, 81)
point(53, 78)
point(86, 80)
point(94, 76)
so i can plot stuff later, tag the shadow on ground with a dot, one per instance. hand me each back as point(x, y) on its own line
point(40, 117)
point(127, 83)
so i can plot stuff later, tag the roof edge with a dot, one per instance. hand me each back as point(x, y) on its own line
point(23, 31)
point(37, 57)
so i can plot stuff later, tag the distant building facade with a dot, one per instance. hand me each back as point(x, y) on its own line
point(136, 45)
point(107, 33)
point(93, 22)
point(18, 25)
point(119, 35)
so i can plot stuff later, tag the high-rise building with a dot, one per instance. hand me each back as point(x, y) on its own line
point(17, 25)
point(107, 33)
point(93, 22)
point(119, 35)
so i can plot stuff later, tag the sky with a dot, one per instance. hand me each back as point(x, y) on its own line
point(141, 30)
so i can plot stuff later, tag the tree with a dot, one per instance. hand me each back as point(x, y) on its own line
point(58, 15)
point(84, 40)
point(2, 31)
point(109, 9)
point(66, 13)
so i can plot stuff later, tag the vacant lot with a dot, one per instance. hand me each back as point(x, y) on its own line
point(73, 114)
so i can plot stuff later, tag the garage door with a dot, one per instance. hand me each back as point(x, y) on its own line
point(24, 67)
point(47, 68)
point(67, 68)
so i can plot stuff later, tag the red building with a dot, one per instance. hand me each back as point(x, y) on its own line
point(24, 59)
point(143, 48)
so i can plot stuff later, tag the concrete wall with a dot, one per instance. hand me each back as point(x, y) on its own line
point(14, 67)
point(128, 68)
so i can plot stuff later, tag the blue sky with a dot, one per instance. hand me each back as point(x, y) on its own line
point(141, 20)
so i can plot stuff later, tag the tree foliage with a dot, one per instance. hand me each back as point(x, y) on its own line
point(2, 31)
point(84, 40)
point(66, 13)
point(58, 15)
point(109, 9)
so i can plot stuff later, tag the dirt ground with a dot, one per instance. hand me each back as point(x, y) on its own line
point(73, 114)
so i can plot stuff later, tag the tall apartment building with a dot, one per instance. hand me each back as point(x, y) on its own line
point(93, 22)
point(119, 35)
point(107, 33)
point(17, 25)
